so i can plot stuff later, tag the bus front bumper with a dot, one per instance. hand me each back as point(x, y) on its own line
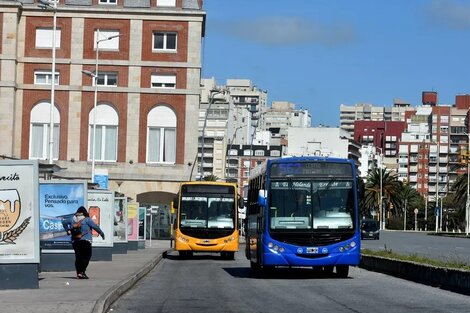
point(346, 253)
point(226, 244)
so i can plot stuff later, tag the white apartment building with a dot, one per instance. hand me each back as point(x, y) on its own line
point(369, 112)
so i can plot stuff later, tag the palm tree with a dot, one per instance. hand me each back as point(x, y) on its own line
point(211, 178)
point(459, 198)
point(408, 198)
point(390, 188)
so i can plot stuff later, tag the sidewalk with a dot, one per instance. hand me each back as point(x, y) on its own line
point(61, 292)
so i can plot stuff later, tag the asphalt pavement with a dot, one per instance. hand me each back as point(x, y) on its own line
point(61, 292)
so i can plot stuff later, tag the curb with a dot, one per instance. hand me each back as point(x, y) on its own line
point(445, 278)
point(113, 293)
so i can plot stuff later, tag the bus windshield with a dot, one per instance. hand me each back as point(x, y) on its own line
point(211, 211)
point(319, 204)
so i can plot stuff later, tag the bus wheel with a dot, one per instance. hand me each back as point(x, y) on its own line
point(255, 267)
point(185, 254)
point(228, 255)
point(342, 271)
point(328, 270)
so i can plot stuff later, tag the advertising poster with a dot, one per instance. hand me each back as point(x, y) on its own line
point(101, 210)
point(19, 213)
point(58, 201)
point(132, 221)
point(142, 212)
point(120, 219)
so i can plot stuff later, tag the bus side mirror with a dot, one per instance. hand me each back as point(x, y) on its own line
point(241, 202)
point(262, 197)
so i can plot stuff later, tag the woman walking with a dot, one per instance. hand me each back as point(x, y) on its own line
point(81, 240)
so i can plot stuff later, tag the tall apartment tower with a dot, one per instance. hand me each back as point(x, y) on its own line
point(228, 116)
point(368, 112)
point(148, 88)
point(277, 119)
point(430, 149)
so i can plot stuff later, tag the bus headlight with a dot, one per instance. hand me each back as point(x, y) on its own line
point(276, 248)
point(229, 239)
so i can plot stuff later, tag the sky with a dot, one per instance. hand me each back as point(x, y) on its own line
point(319, 54)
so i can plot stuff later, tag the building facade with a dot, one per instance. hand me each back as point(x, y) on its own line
point(369, 112)
point(143, 120)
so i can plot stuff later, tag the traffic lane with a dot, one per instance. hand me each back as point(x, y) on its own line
point(206, 283)
point(420, 243)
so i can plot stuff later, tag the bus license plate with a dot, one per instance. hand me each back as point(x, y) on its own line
point(312, 250)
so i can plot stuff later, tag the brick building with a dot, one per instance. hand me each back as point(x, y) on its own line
point(147, 89)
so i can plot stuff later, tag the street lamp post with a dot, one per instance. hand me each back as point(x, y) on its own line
point(95, 82)
point(229, 149)
point(467, 204)
point(211, 101)
point(381, 210)
point(52, 5)
point(438, 210)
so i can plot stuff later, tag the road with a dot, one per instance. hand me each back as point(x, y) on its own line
point(206, 283)
point(420, 243)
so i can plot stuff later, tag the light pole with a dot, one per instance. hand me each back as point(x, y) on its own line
point(438, 209)
point(381, 210)
point(52, 5)
point(229, 149)
point(467, 204)
point(211, 101)
point(95, 82)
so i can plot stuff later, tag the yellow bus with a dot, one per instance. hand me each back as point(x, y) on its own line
point(207, 218)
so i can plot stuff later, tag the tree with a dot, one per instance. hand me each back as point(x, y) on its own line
point(390, 188)
point(211, 178)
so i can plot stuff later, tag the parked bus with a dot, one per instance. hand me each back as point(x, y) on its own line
point(303, 211)
point(207, 218)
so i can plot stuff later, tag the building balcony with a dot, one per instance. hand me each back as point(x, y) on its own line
point(442, 170)
point(443, 160)
point(403, 170)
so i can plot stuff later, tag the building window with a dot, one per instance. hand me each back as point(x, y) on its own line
point(275, 153)
point(106, 44)
point(44, 38)
point(259, 152)
point(106, 134)
point(39, 132)
point(246, 152)
point(163, 81)
point(166, 3)
point(233, 152)
point(107, 79)
point(161, 135)
point(108, 2)
point(45, 78)
point(164, 41)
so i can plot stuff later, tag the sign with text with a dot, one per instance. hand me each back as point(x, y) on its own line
point(101, 210)
point(142, 222)
point(132, 221)
point(19, 213)
point(58, 201)
point(120, 219)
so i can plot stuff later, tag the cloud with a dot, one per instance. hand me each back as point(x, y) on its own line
point(279, 31)
point(451, 13)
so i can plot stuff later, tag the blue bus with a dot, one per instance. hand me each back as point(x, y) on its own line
point(303, 211)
